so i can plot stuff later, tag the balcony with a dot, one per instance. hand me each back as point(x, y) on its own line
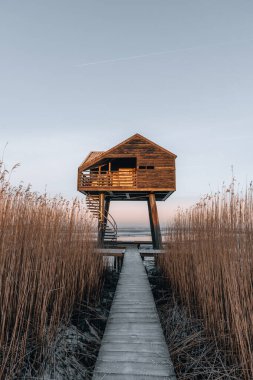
point(122, 178)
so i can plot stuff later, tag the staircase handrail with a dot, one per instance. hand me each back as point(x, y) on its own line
point(112, 222)
point(108, 217)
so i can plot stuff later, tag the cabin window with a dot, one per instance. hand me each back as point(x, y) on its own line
point(126, 163)
point(146, 167)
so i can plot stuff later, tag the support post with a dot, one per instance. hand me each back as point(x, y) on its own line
point(101, 219)
point(106, 211)
point(154, 222)
point(109, 173)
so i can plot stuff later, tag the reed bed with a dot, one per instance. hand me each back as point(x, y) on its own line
point(209, 264)
point(48, 265)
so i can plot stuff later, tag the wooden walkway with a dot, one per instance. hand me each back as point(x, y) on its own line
point(133, 346)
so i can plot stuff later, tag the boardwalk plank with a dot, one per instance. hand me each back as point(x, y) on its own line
point(133, 346)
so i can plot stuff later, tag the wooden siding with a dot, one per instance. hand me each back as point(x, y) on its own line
point(161, 176)
point(137, 145)
point(156, 178)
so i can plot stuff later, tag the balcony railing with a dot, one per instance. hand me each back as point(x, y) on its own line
point(125, 178)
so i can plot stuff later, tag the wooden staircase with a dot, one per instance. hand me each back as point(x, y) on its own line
point(106, 221)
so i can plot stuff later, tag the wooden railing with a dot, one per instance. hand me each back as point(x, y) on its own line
point(122, 178)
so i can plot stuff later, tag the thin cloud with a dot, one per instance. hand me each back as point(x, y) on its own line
point(134, 57)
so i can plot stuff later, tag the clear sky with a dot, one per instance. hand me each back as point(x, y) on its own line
point(84, 75)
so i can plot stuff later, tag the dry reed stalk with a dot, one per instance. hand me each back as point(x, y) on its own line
point(47, 265)
point(209, 263)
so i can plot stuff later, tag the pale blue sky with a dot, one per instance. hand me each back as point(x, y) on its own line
point(83, 75)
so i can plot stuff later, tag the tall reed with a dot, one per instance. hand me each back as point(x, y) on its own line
point(47, 265)
point(209, 264)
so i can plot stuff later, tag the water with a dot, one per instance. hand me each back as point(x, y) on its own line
point(133, 234)
point(136, 234)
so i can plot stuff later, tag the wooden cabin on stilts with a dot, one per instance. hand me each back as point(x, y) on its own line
point(137, 169)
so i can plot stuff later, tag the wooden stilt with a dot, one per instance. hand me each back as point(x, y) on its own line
point(106, 211)
point(154, 222)
point(101, 219)
point(107, 206)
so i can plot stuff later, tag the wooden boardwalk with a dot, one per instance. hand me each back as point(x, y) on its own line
point(133, 346)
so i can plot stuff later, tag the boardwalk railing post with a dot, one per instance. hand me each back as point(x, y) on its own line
point(154, 222)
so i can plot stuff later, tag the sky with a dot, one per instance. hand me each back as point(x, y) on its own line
point(80, 75)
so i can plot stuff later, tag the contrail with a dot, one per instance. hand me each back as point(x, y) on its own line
point(126, 58)
point(133, 57)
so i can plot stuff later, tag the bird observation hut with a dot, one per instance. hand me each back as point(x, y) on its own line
point(137, 169)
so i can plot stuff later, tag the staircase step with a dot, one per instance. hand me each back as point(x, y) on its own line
point(110, 231)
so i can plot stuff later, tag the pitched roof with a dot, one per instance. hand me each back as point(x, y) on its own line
point(94, 156)
point(91, 156)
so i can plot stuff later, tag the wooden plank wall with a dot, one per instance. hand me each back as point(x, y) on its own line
point(163, 174)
